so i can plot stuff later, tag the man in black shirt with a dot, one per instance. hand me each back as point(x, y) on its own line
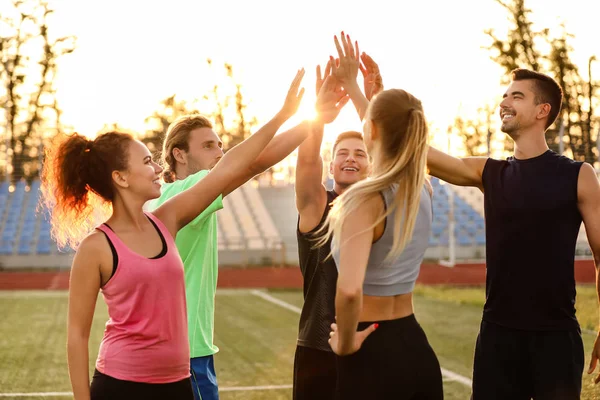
point(529, 343)
point(315, 372)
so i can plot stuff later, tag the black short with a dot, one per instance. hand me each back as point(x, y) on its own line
point(394, 362)
point(315, 374)
point(107, 387)
point(516, 364)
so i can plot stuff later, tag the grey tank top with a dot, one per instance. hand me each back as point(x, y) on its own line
point(397, 275)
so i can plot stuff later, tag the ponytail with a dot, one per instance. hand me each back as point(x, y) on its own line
point(400, 158)
point(77, 184)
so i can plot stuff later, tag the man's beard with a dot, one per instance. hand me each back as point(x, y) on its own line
point(510, 129)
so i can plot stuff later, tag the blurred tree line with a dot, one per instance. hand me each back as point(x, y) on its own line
point(29, 56)
point(521, 47)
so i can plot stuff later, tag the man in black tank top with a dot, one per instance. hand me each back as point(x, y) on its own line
point(315, 372)
point(529, 343)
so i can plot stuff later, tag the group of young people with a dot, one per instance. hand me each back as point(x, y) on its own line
point(154, 256)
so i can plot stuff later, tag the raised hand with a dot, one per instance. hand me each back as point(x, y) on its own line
point(330, 100)
point(346, 70)
point(321, 79)
point(294, 97)
point(373, 83)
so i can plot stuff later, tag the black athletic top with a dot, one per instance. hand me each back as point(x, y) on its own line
point(320, 280)
point(532, 223)
point(162, 253)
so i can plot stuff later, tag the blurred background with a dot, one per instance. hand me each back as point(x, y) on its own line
point(92, 66)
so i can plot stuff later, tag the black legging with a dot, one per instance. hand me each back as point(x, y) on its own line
point(394, 362)
point(106, 387)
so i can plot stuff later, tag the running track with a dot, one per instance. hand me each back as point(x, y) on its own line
point(283, 277)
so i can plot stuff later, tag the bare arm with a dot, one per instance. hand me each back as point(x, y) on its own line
point(457, 171)
point(179, 210)
point(355, 245)
point(588, 196)
point(347, 71)
point(462, 172)
point(311, 196)
point(358, 99)
point(83, 291)
point(278, 149)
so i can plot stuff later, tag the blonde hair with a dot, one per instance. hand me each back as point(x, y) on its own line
point(344, 136)
point(400, 158)
point(178, 136)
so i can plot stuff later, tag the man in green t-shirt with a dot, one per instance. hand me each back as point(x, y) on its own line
point(190, 149)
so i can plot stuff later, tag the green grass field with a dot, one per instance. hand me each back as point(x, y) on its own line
point(256, 338)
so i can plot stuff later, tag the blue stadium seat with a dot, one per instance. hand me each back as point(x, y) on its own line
point(10, 229)
point(437, 230)
point(8, 239)
point(35, 185)
point(461, 218)
point(433, 241)
point(465, 240)
point(443, 240)
point(471, 229)
point(24, 248)
point(480, 239)
point(44, 246)
point(5, 249)
point(469, 224)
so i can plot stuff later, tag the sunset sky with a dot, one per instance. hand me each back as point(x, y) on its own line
point(131, 54)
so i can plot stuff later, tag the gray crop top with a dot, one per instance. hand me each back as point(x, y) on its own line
point(398, 275)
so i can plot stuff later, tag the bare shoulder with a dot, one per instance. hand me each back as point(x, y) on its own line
point(587, 172)
point(94, 247)
point(94, 242)
point(587, 181)
point(374, 206)
point(311, 209)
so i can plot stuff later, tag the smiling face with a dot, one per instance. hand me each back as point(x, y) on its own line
point(350, 162)
point(519, 111)
point(142, 177)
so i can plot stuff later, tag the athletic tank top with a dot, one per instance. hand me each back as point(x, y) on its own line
point(320, 280)
point(397, 275)
point(145, 338)
point(532, 224)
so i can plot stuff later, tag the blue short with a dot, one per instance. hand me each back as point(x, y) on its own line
point(204, 379)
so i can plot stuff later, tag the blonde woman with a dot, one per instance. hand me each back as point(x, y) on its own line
point(380, 229)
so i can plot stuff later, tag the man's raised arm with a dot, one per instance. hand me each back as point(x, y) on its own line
point(311, 196)
point(457, 171)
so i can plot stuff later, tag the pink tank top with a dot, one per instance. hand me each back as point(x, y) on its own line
point(146, 336)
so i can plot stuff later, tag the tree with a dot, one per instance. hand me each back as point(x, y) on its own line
point(28, 65)
point(227, 110)
point(240, 127)
point(520, 50)
point(578, 100)
point(170, 109)
point(476, 132)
